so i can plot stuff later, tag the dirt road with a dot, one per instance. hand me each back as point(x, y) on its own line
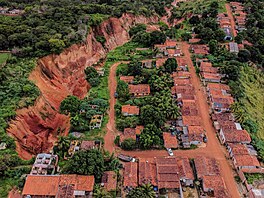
point(111, 130)
point(230, 15)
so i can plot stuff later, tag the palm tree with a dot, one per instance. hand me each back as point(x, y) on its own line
point(238, 111)
point(148, 191)
point(100, 192)
point(63, 144)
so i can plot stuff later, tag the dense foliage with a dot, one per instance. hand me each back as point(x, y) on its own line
point(92, 76)
point(50, 26)
point(144, 191)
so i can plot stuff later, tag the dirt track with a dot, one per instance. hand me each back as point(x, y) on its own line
point(213, 147)
point(230, 15)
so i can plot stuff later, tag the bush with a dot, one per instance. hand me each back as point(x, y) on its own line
point(129, 144)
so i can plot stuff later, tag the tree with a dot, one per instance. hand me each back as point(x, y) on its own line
point(62, 146)
point(186, 36)
point(92, 76)
point(86, 162)
point(159, 83)
point(150, 114)
point(129, 144)
point(144, 191)
point(157, 37)
point(70, 105)
point(150, 136)
point(135, 68)
point(213, 46)
point(122, 91)
point(136, 29)
point(170, 65)
point(244, 55)
point(100, 192)
point(56, 45)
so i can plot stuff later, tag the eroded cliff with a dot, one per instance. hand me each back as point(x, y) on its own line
point(36, 128)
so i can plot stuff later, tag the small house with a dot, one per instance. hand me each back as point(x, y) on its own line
point(129, 110)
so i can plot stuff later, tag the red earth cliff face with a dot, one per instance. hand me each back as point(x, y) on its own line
point(36, 128)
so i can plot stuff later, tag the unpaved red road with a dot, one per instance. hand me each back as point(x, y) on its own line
point(230, 15)
point(111, 130)
point(213, 148)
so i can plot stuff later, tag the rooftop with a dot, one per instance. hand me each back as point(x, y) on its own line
point(246, 160)
point(181, 61)
point(217, 184)
point(236, 136)
point(86, 145)
point(238, 149)
point(181, 81)
point(218, 86)
point(196, 133)
point(170, 141)
point(131, 174)
point(147, 171)
point(206, 166)
point(129, 109)
point(109, 180)
point(191, 120)
point(160, 62)
point(211, 76)
point(51, 185)
point(140, 88)
point(127, 79)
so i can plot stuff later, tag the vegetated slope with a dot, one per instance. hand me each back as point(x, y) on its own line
point(57, 76)
point(252, 80)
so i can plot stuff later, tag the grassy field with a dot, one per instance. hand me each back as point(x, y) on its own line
point(253, 82)
point(3, 57)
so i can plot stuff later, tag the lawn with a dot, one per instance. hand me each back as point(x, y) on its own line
point(3, 57)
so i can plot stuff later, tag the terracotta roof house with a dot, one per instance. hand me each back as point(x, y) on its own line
point(234, 136)
point(221, 104)
point(217, 86)
point(237, 149)
point(87, 145)
point(131, 174)
point(109, 180)
point(209, 69)
point(246, 161)
point(206, 64)
point(182, 64)
point(58, 186)
point(182, 89)
point(160, 47)
point(201, 51)
point(129, 110)
point(139, 90)
point(170, 44)
point(45, 164)
point(160, 62)
point(196, 135)
point(127, 79)
point(191, 120)
point(172, 170)
point(194, 40)
point(170, 141)
point(189, 108)
point(214, 186)
point(147, 171)
point(181, 74)
point(174, 52)
point(206, 166)
point(128, 133)
point(181, 81)
point(211, 77)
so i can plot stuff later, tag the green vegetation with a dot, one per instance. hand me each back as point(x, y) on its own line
point(252, 177)
point(92, 76)
point(4, 57)
point(144, 191)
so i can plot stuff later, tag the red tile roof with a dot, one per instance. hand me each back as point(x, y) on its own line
point(194, 40)
point(130, 174)
point(129, 109)
point(181, 61)
point(191, 120)
point(139, 129)
point(206, 166)
point(201, 51)
point(160, 62)
point(245, 160)
point(181, 74)
point(128, 133)
point(139, 89)
point(206, 64)
point(110, 180)
point(87, 144)
point(147, 171)
point(211, 76)
point(127, 79)
point(213, 70)
point(196, 133)
point(47, 185)
point(189, 108)
point(170, 43)
point(218, 86)
point(238, 149)
point(170, 141)
point(182, 89)
point(217, 184)
point(236, 136)
point(181, 81)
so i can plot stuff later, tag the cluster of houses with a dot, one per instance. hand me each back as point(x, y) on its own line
point(172, 174)
point(224, 22)
point(239, 15)
point(44, 179)
point(10, 12)
point(187, 126)
point(236, 139)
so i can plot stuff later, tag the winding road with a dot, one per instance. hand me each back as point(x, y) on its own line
point(213, 148)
